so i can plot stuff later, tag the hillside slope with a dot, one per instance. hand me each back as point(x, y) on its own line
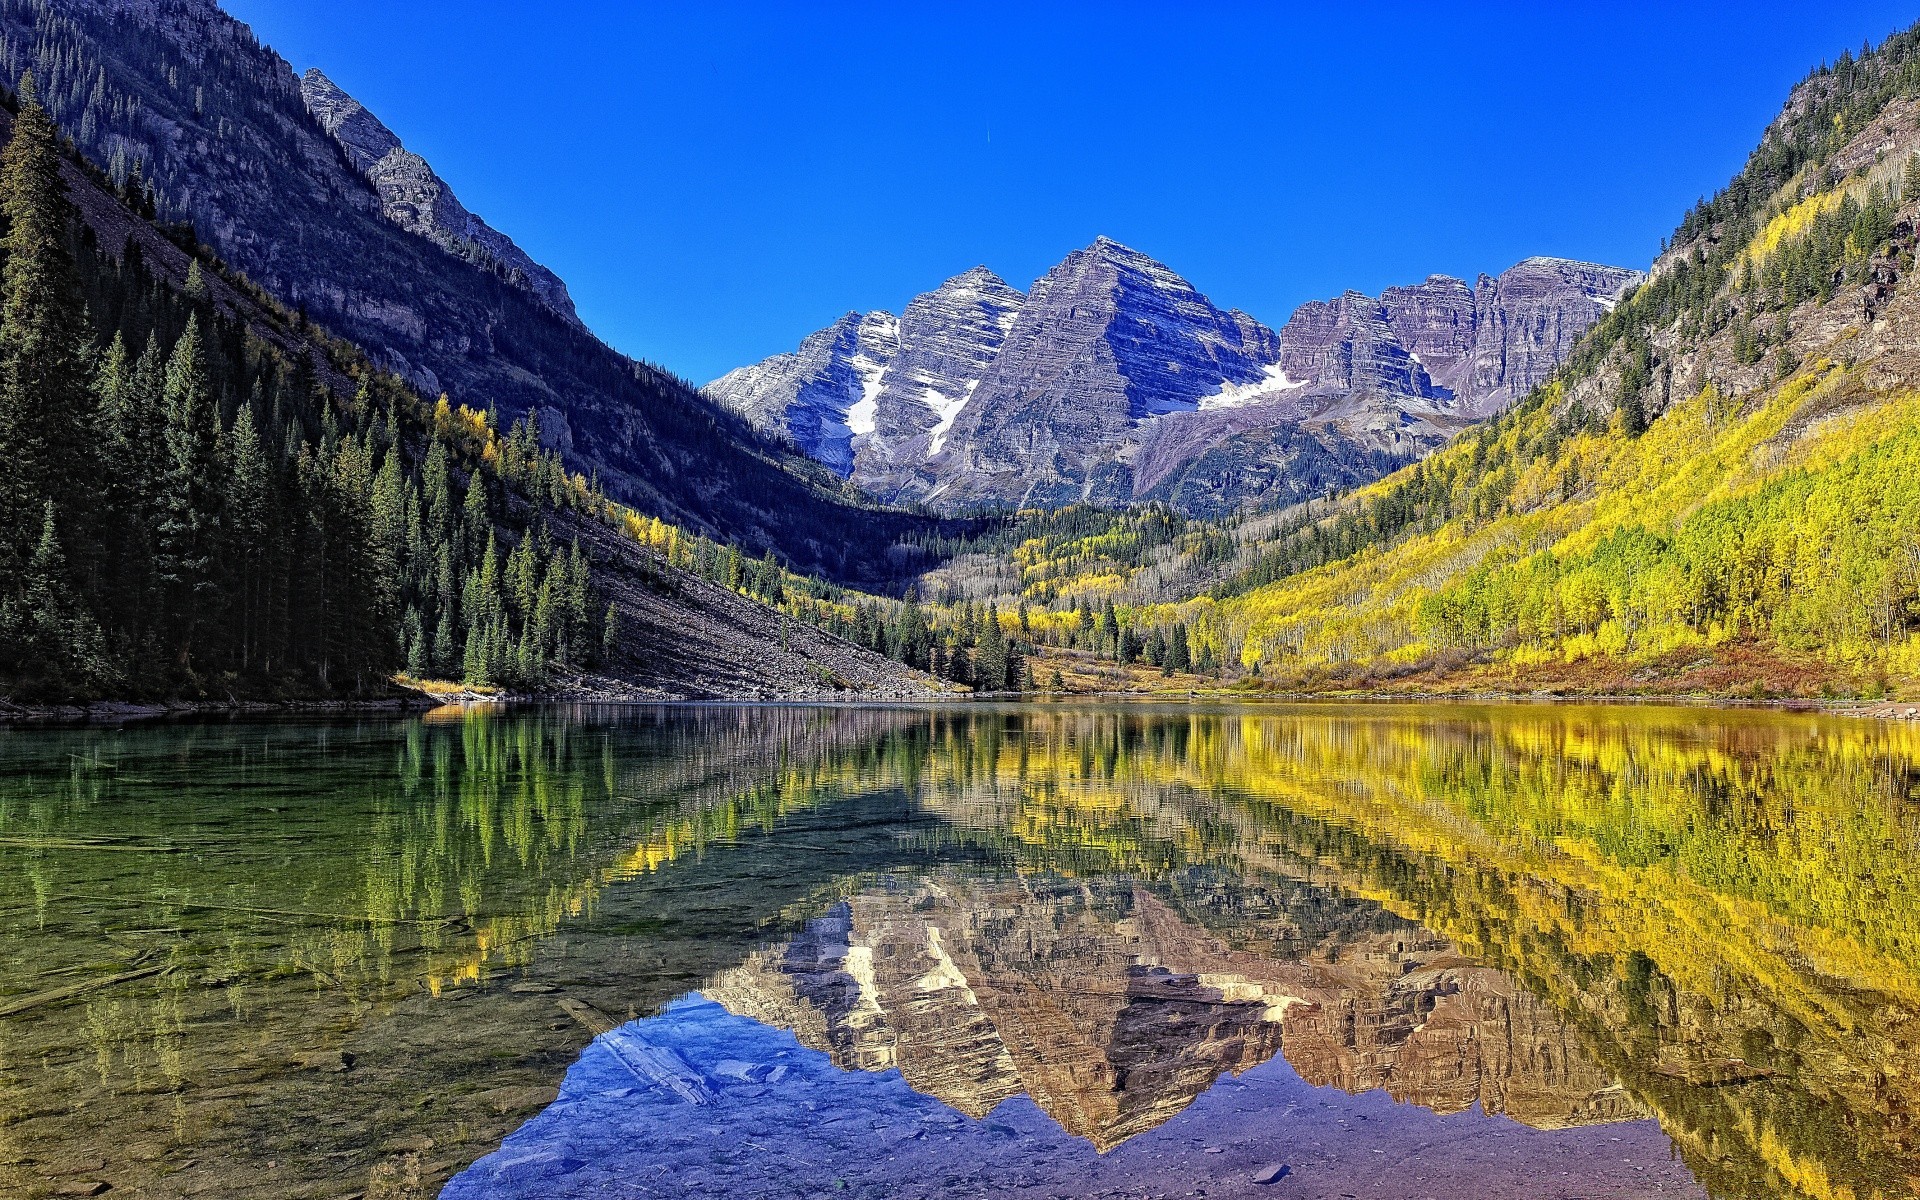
point(1720, 493)
point(306, 589)
point(217, 125)
point(686, 638)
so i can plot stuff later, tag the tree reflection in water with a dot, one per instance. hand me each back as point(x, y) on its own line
point(292, 957)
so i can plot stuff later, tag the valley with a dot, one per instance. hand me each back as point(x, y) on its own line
point(1400, 733)
point(1564, 478)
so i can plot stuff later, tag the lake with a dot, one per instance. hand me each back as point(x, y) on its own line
point(1355, 951)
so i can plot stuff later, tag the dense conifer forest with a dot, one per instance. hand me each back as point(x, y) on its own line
point(188, 510)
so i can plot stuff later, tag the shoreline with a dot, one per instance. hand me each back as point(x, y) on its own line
point(106, 712)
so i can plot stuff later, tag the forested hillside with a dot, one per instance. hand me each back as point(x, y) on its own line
point(196, 503)
point(183, 101)
point(1720, 490)
point(1717, 493)
point(207, 497)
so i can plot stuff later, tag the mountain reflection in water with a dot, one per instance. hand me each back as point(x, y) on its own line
point(312, 959)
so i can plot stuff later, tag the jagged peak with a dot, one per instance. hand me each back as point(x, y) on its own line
point(349, 122)
point(1104, 247)
point(980, 278)
point(1563, 264)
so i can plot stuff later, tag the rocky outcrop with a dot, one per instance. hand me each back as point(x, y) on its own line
point(1347, 345)
point(821, 394)
point(949, 337)
point(1107, 340)
point(1115, 381)
point(873, 396)
point(418, 200)
point(1447, 349)
point(1526, 321)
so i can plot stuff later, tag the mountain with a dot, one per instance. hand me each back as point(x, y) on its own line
point(418, 200)
point(300, 189)
point(1719, 493)
point(1114, 380)
point(800, 393)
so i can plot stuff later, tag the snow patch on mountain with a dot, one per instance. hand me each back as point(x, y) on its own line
point(948, 411)
point(1272, 381)
point(871, 370)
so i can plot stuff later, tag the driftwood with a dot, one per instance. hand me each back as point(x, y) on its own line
point(595, 1021)
point(74, 991)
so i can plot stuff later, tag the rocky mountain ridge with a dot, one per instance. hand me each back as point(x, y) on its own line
point(416, 199)
point(1114, 380)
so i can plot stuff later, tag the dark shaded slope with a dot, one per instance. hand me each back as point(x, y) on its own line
point(216, 123)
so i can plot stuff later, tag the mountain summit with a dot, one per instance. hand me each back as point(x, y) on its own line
point(1115, 380)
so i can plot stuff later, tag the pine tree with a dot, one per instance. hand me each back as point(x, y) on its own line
point(907, 641)
point(60, 635)
point(47, 425)
point(614, 635)
point(443, 656)
point(578, 596)
point(1155, 649)
point(437, 487)
point(249, 518)
point(189, 522)
point(1179, 651)
point(476, 517)
point(475, 660)
point(129, 417)
point(390, 515)
point(414, 637)
point(990, 661)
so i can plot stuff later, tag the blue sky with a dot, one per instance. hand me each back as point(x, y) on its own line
point(716, 180)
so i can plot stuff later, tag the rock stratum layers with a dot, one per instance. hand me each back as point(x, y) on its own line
point(1113, 380)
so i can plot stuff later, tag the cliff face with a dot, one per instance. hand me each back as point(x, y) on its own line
point(378, 251)
point(1107, 341)
point(1113, 1010)
point(418, 200)
point(1114, 380)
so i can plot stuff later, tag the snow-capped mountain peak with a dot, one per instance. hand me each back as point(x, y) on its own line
point(1114, 379)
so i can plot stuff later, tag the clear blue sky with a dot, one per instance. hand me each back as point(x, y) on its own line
point(715, 180)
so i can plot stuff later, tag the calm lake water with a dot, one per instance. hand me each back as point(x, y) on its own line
point(1382, 951)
